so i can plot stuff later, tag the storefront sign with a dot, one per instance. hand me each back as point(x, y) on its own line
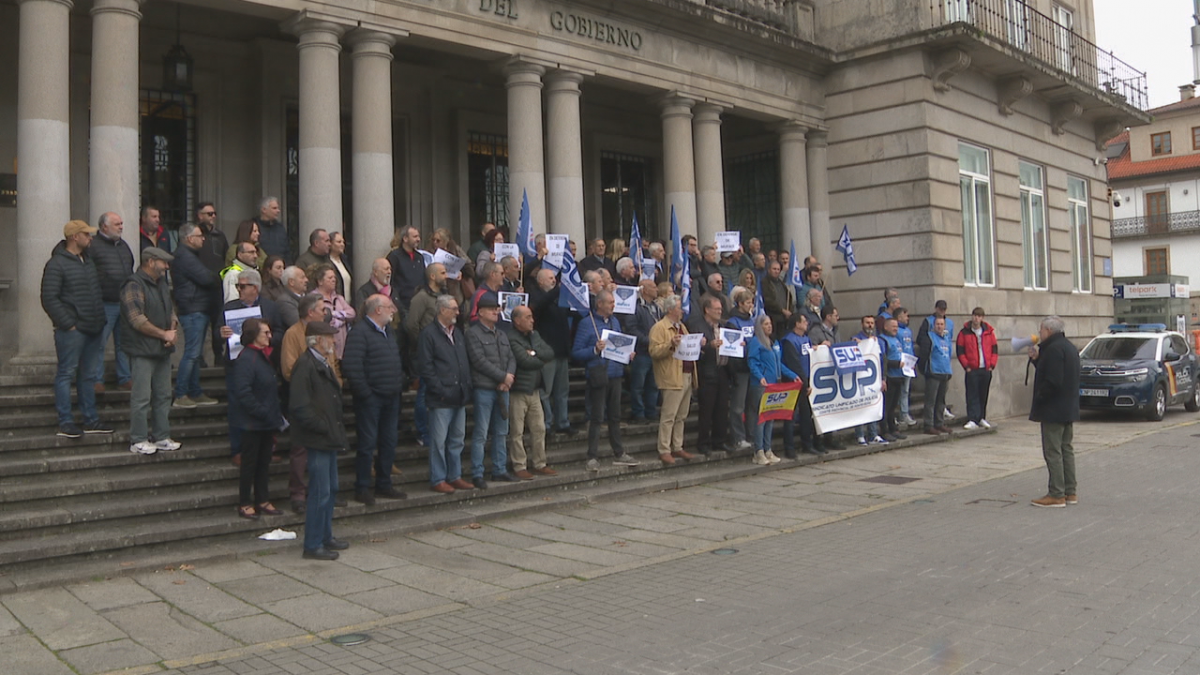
point(1138, 291)
point(588, 28)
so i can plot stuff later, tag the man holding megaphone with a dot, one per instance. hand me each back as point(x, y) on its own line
point(1056, 406)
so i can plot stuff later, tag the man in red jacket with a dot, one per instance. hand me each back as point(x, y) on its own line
point(978, 353)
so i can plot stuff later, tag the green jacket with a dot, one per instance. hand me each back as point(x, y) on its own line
point(145, 300)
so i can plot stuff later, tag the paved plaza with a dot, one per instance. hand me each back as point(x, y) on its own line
point(921, 560)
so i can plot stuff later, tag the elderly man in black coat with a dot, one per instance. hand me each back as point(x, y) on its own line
point(445, 368)
point(1056, 406)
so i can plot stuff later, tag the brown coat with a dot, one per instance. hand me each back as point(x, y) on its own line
point(294, 345)
point(668, 370)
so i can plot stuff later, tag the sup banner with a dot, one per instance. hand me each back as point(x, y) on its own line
point(779, 401)
point(842, 397)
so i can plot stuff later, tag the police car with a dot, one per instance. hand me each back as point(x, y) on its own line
point(1142, 368)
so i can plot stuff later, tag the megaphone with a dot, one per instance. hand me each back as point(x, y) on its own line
point(1020, 344)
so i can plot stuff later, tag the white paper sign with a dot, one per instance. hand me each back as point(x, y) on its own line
point(617, 346)
point(453, 263)
point(427, 256)
point(509, 302)
point(503, 251)
point(729, 241)
point(649, 268)
point(556, 246)
point(689, 347)
point(733, 343)
point(626, 299)
point(234, 318)
point(909, 363)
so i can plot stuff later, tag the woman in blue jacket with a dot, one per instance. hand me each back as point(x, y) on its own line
point(765, 359)
point(254, 388)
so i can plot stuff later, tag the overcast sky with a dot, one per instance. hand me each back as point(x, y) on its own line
point(1153, 36)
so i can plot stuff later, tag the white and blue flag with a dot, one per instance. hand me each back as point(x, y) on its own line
point(525, 229)
point(678, 255)
point(847, 249)
point(573, 294)
point(686, 284)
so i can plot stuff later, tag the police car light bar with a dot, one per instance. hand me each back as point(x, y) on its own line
point(1137, 328)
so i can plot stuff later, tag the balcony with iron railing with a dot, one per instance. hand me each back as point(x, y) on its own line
point(1186, 222)
point(1028, 32)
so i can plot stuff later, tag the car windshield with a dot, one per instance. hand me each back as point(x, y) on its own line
point(1121, 349)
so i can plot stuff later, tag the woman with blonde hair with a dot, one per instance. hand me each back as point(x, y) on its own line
point(765, 358)
point(617, 249)
point(340, 261)
point(746, 282)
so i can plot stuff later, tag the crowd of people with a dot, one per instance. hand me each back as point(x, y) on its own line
point(294, 331)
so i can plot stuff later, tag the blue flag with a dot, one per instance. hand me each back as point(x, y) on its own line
point(686, 284)
point(794, 271)
point(678, 255)
point(847, 249)
point(525, 229)
point(635, 245)
point(759, 307)
point(573, 294)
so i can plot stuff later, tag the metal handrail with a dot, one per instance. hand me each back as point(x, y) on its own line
point(1142, 226)
point(1022, 27)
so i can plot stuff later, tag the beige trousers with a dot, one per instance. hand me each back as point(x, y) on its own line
point(675, 407)
point(526, 409)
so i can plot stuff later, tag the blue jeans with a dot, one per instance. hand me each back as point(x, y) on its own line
point(904, 397)
point(421, 415)
point(754, 394)
point(763, 434)
point(78, 354)
point(554, 394)
point(378, 420)
point(447, 430)
point(643, 390)
point(322, 492)
point(187, 380)
point(868, 431)
point(112, 326)
point(488, 416)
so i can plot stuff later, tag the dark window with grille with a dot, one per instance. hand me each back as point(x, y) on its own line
point(168, 155)
point(487, 181)
point(752, 199)
point(627, 189)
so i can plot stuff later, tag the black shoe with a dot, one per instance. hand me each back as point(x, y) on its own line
point(899, 436)
point(836, 445)
point(390, 493)
point(70, 431)
point(97, 428)
point(479, 483)
point(890, 438)
point(321, 554)
point(505, 478)
point(639, 420)
point(790, 453)
point(298, 507)
point(365, 497)
point(339, 503)
point(335, 544)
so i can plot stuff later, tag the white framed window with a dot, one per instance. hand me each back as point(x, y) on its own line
point(1016, 19)
point(1081, 233)
point(979, 244)
point(1063, 33)
point(1033, 227)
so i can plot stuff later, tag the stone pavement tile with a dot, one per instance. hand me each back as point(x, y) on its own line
point(522, 580)
point(527, 560)
point(586, 554)
point(363, 557)
point(440, 538)
point(108, 656)
point(321, 612)
point(8, 624)
point(568, 521)
point(500, 536)
point(261, 590)
point(639, 523)
point(455, 561)
point(396, 599)
point(59, 619)
point(111, 593)
point(231, 571)
point(769, 521)
point(167, 631)
point(678, 503)
point(197, 597)
point(673, 541)
point(440, 583)
point(23, 654)
point(258, 628)
point(335, 579)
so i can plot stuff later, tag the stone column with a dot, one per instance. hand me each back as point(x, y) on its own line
point(371, 134)
point(113, 158)
point(44, 172)
point(526, 162)
point(320, 125)
point(793, 187)
point(710, 173)
point(679, 169)
point(565, 158)
point(818, 198)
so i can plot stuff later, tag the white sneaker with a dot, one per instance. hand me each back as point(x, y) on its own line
point(862, 441)
point(744, 445)
point(970, 426)
point(771, 458)
point(879, 440)
point(143, 448)
point(760, 458)
point(908, 420)
point(946, 414)
point(985, 424)
point(168, 444)
point(593, 465)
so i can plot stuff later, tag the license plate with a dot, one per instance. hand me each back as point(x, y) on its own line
point(1093, 392)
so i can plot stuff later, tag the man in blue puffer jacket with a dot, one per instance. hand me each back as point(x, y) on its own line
point(603, 381)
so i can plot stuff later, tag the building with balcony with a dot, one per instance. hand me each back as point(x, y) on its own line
point(1154, 173)
point(957, 139)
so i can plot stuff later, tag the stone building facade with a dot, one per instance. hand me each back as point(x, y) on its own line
point(931, 128)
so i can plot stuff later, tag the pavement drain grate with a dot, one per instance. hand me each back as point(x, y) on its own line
point(889, 480)
point(350, 639)
point(724, 551)
point(993, 502)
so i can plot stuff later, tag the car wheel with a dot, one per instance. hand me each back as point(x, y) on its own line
point(1158, 404)
point(1193, 403)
